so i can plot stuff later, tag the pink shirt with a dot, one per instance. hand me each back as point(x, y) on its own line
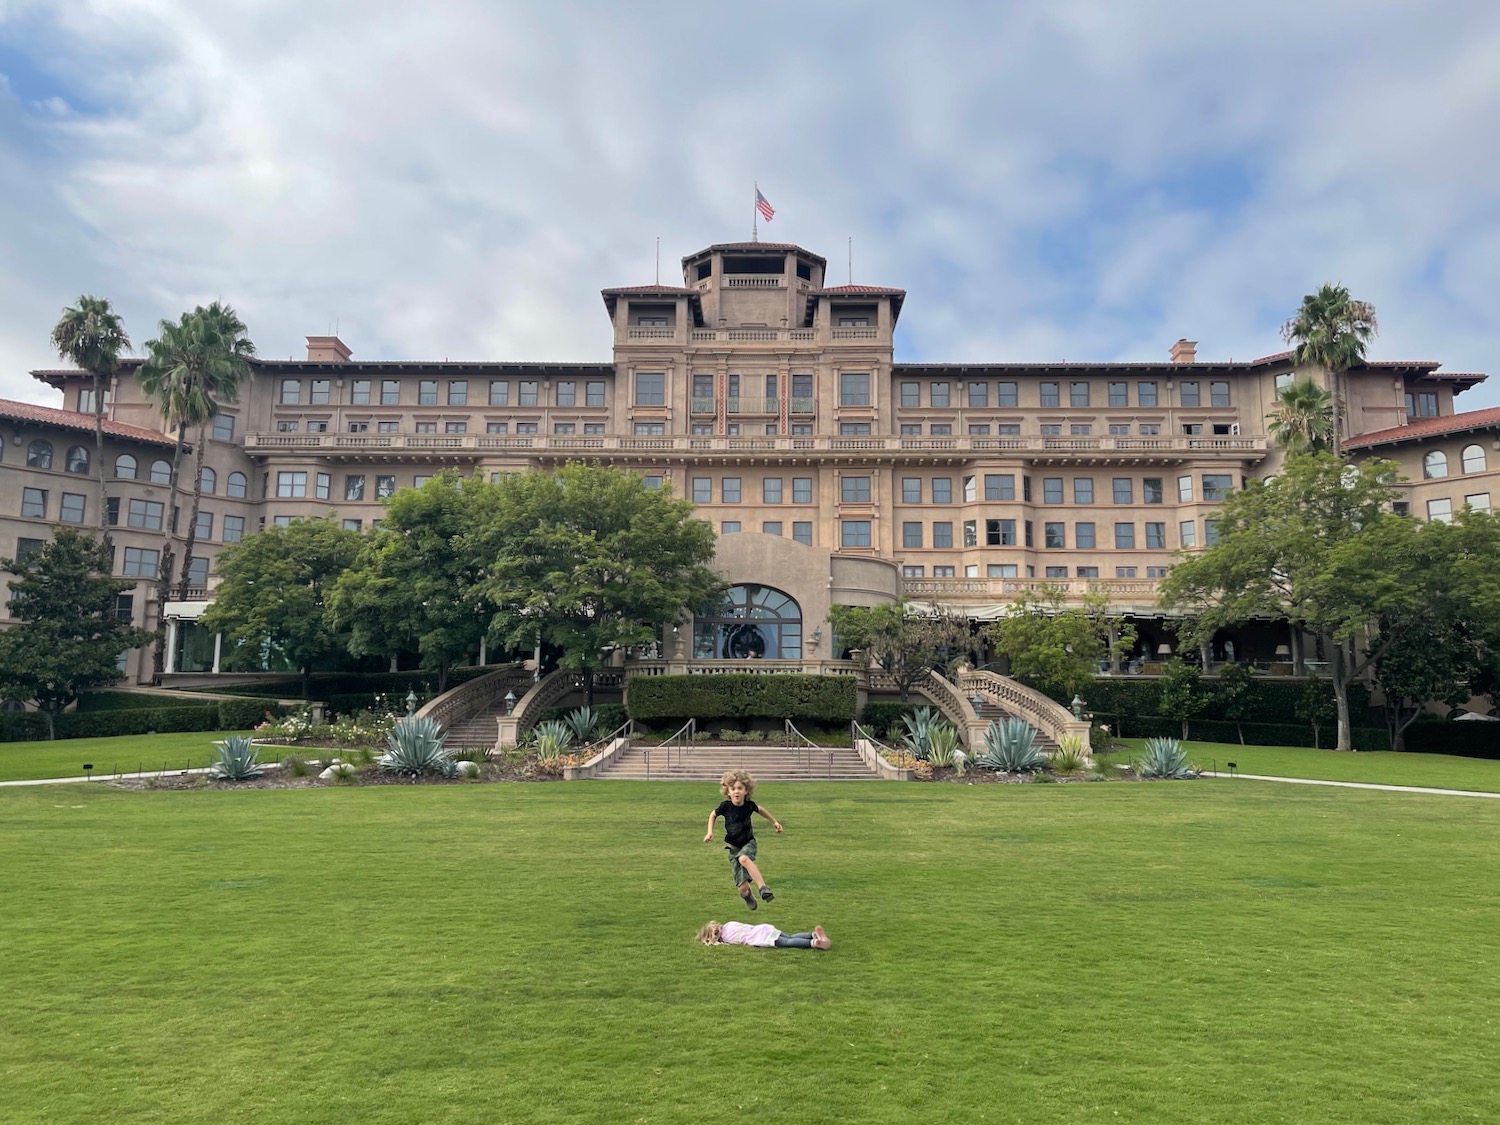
point(739, 933)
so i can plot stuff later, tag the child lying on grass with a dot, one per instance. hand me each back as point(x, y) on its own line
point(768, 936)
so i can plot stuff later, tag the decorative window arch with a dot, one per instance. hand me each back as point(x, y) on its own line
point(208, 480)
point(1474, 459)
point(750, 622)
point(125, 467)
point(1435, 465)
point(161, 472)
point(236, 486)
point(78, 460)
point(39, 454)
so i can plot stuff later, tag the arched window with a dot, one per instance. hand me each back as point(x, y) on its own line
point(1474, 459)
point(161, 472)
point(1435, 465)
point(208, 480)
point(39, 454)
point(125, 467)
point(749, 623)
point(236, 485)
point(78, 459)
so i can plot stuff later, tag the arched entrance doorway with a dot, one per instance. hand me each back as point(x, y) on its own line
point(750, 622)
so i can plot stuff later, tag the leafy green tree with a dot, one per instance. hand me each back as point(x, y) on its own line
point(67, 637)
point(1057, 647)
point(1182, 694)
point(589, 558)
point(1415, 667)
point(92, 335)
point(272, 594)
point(1295, 547)
point(1238, 694)
point(1316, 707)
point(1303, 419)
point(905, 641)
point(413, 584)
point(1330, 330)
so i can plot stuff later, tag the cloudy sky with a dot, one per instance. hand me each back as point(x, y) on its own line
point(1061, 180)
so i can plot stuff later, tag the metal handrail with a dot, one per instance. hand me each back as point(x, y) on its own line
point(669, 744)
point(790, 730)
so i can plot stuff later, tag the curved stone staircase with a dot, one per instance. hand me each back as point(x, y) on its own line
point(706, 761)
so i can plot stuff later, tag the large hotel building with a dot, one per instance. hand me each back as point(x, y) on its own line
point(773, 400)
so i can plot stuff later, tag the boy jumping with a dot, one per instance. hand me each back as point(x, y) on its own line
point(739, 835)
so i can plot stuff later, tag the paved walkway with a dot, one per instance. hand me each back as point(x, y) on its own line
point(101, 777)
point(1357, 785)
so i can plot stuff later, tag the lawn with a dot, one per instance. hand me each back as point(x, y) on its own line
point(65, 757)
point(1171, 952)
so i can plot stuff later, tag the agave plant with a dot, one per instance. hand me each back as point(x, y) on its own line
point(417, 747)
point(1072, 754)
point(1010, 747)
point(920, 725)
point(551, 739)
point(943, 747)
point(1165, 758)
point(236, 759)
point(583, 722)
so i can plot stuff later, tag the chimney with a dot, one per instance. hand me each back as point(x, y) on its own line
point(327, 349)
point(1184, 351)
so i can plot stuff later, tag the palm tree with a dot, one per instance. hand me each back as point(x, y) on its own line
point(92, 335)
point(1330, 331)
point(1303, 419)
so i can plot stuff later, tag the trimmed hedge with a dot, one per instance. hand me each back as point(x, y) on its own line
point(226, 714)
point(1256, 734)
point(743, 696)
point(883, 718)
point(326, 686)
point(1466, 740)
point(1276, 699)
point(125, 701)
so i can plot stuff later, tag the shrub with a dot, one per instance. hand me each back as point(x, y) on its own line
point(883, 718)
point(921, 725)
point(295, 766)
point(1010, 747)
point(416, 748)
point(733, 696)
point(1165, 758)
point(1071, 756)
point(236, 759)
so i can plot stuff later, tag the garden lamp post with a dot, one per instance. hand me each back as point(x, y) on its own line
point(411, 702)
point(1077, 706)
point(510, 703)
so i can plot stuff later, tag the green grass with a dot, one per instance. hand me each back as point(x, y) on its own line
point(65, 757)
point(1177, 952)
point(1441, 771)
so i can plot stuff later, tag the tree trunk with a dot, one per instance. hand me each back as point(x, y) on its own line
point(192, 527)
point(99, 462)
point(588, 686)
point(443, 675)
point(1339, 666)
point(306, 683)
point(164, 574)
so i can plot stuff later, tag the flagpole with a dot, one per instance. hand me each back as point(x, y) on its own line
point(755, 214)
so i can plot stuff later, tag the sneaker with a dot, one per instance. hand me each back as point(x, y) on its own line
point(765, 893)
point(750, 901)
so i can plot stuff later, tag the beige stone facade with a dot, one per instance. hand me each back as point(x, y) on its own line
point(832, 471)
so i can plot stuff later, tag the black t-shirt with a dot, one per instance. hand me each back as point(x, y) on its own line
point(737, 830)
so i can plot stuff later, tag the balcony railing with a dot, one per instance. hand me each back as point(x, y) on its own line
point(652, 333)
point(998, 588)
point(472, 444)
point(753, 335)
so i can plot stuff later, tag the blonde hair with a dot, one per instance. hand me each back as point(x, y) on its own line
point(741, 776)
point(709, 934)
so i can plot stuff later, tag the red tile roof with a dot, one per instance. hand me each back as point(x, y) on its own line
point(650, 289)
point(838, 290)
point(1429, 427)
point(75, 420)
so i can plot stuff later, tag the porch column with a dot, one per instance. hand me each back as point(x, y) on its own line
point(1114, 653)
point(483, 659)
point(218, 650)
point(171, 644)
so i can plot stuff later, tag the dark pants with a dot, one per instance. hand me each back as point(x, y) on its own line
point(794, 941)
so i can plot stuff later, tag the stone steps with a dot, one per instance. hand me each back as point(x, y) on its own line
point(708, 761)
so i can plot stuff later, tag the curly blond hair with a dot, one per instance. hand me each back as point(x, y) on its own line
point(732, 776)
point(709, 934)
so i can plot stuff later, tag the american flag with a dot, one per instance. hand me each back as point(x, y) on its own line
point(763, 205)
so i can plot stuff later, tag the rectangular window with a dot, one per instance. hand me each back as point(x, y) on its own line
point(771, 527)
point(979, 394)
point(1123, 490)
point(646, 429)
point(999, 533)
point(1124, 536)
point(1056, 572)
point(318, 427)
point(1216, 487)
point(1187, 533)
point(223, 427)
point(112, 511)
point(1156, 536)
point(997, 486)
point(427, 392)
point(1008, 429)
point(1187, 393)
point(1054, 535)
point(1118, 394)
point(911, 490)
point(145, 513)
point(770, 490)
point(1150, 429)
point(1005, 395)
point(291, 484)
point(1083, 490)
point(854, 533)
point(353, 525)
point(911, 534)
point(1427, 404)
point(526, 393)
point(455, 427)
point(940, 429)
point(1119, 429)
point(234, 528)
point(204, 528)
point(1185, 490)
point(291, 392)
point(526, 427)
point(911, 394)
point(359, 427)
point(1078, 394)
point(593, 393)
point(28, 549)
point(1151, 490)
point(1083, 536)
point(1027, 526)
point(702, 490)
point(1026, 489)
point(911, 429)
point(802, 532)
point(359, 392)
point(937, 395)
point(1050, 395)
point(1080, 429)
point(324, 481)
point(854, 429)
point(1051, 429)
point(1479, 501)
point(287, 426)
point(979, 429)
point(458, 392)
point(384, 486)
point(854, 389)
point(1052, 490)
point(1145, 394)
point(499, 392)
point(650, 388)
point(593, 428)
point(1439, 510)
point(942, 572)
point(802, 394)
point(971, 533)
point(72, 507)
point(854, 490)
point(802, 490)
point(140, 562)
point(942, 534)
point(1156, 572)
point(1087, 572)
point(497, 427)
point(729, 490)
point(354, 487)
point(390, 392)
point(198, 571)
point(913, 571)
point(942, 490)
point(282, 521)
point(1210, 532)
point(1218, 394)
point(318, 395)
point(729, 527)
point(567, 393)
